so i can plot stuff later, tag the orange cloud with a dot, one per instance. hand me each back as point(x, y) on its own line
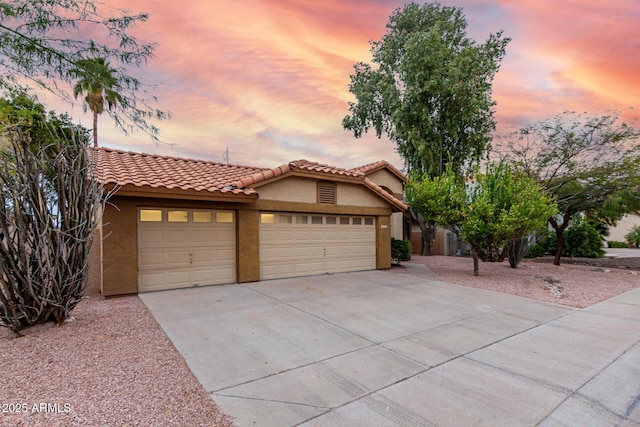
point(269, 78)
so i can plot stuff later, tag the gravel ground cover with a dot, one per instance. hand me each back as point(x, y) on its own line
point(568, 284)
point(114, 366)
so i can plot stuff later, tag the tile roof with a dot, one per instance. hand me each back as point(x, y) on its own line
point(314, 167)
point(301, 165)
point(148, 170)
point(380, 164)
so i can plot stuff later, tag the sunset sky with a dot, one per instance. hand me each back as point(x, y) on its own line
point(269, 78)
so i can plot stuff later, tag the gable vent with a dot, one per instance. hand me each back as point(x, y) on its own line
point(327, 193)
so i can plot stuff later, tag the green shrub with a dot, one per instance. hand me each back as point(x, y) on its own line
point(400, 250)
point(633, 237)
point(581, 239)
point(535, 250)
point(614, 244)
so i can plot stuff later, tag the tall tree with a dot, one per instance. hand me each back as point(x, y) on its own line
point(42, 42)
point(97, 80)
point(429, 90)
point(589, 164)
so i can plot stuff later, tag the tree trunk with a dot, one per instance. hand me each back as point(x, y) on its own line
point(560, 241)
point(476, 267)
point(95, 130)
point(559, 229)
point(426, 235)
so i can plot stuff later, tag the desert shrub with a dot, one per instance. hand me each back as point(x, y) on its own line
point(633, 237)
point(614, 244)
point(49, 207)
point(582, 239)
point(534, 251)
point(400, 250)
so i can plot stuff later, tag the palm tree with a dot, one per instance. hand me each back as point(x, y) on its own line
point(98, 82)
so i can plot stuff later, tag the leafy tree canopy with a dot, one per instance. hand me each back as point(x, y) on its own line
point(498, 206)
point(23, 114)
point(46, 42)
point(589, 164)
point(429, 89)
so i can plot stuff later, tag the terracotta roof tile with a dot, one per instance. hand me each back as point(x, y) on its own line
point(140, 170)
point(380, 164)
point(318, 167)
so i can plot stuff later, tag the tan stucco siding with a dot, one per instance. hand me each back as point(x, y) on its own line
point(292, 189)
point(94, 279)
point(384, 178)
point(248, 251)
point(396, 225)
point(304, 190)
point(383, 243)
point(358, 195)
point(120, 248)
point(623, 227)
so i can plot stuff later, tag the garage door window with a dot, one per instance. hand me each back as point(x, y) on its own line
point(267, 218)
point(150, 215)
point(316, 220)
point(357, 221)
point(285, 219)
point(302, 219)
point(344, 220)
point(368, 221)
point(332, 220)
point(178, 216)
point(199, 216)
point(224, 217)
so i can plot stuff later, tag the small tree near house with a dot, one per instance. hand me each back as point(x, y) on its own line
point(494, 208)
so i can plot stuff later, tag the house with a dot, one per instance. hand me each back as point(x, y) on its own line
point(623, 227)
point(175, 222)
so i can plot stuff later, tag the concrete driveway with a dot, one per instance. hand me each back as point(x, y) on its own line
point(383, 349)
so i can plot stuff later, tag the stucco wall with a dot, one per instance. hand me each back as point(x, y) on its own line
point(623, 227)
point(293, 189)
point(248, 251)
point(383, 242)
point(385, 178)
point(396, 225)
point(120, 247)
point(358, 195)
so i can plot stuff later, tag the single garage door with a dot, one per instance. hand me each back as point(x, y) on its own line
point(304, 244)
point(180, 248)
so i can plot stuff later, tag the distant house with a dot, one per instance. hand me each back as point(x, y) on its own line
point(175, 222)
point(623, 227)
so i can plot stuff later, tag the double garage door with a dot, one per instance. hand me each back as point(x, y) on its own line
point(180, 248)
point(294, 244)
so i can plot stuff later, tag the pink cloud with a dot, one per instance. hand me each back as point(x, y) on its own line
point(270, 78)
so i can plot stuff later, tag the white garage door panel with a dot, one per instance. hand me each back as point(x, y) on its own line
point(293, 249)
point(184, 254)
point(152, 259)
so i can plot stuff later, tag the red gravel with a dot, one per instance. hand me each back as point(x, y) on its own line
point(112, 366)
point(581, 285)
